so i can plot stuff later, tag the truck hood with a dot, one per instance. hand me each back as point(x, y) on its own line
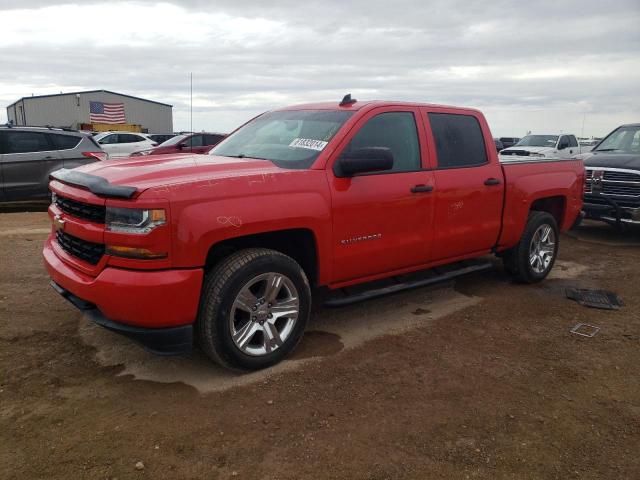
point(529, 149)
point(611, 160)
point(160, 170)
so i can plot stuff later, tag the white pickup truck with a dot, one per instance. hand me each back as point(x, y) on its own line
point(551, 146)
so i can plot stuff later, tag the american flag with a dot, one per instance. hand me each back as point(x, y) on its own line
point(100, 112)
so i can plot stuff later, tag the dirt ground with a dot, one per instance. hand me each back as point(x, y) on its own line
point(479, 379)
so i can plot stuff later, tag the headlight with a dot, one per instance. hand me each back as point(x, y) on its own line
point(134, 220)
point(140, 153)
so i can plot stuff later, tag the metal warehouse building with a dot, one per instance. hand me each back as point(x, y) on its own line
point(80, 110)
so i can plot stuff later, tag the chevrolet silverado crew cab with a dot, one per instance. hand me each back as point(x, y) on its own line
point(225, 249)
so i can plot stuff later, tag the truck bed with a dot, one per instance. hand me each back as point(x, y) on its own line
point(559, 182)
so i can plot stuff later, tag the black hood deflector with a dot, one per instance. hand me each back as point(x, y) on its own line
point(97, 185)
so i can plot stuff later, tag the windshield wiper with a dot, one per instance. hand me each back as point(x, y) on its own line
point(606, 149)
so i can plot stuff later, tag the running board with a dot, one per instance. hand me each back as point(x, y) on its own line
point(436, 275)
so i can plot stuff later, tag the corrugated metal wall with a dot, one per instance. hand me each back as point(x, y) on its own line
point(70, 111)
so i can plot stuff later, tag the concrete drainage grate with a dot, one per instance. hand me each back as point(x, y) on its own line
point(595, 298)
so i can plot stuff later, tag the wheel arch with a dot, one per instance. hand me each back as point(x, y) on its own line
point(554, 205)
point(298, 243)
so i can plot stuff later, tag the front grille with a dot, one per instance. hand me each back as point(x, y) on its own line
point(87, 251)
point(616, 176)
point(613, 183)
point(86, 211)
point(520, 153)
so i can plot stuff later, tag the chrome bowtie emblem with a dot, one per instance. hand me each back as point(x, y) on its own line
point(58, 223)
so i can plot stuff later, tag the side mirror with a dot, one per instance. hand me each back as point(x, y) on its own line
point(363, 160)
point(562, 145)
point(180, 146)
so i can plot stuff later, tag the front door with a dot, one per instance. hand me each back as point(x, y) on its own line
point(469, 186)
point(109, 144)
point(382, 221)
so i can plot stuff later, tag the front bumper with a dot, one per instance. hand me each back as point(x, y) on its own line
point(161, 341)
point(157, 308)
point(611, 212)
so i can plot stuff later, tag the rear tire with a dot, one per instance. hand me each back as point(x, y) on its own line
point(531, 260)
point(254, 308)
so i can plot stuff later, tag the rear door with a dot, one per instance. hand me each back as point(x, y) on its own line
point(28, 159)
point(130, 142)
point(469, 185)
point(381, 221)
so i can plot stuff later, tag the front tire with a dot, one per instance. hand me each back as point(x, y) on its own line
point(531, 260)
point(254, 308)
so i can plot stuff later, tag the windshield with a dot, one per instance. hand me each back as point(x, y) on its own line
point(289, 138)
point(173, 141)
point(623, 139)
point(538, 141)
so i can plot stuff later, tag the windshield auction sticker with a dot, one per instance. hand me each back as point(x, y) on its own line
point(308, 143)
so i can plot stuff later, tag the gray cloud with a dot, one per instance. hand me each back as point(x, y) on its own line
point(534, 66)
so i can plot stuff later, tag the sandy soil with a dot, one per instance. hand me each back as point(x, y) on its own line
point(477, 379)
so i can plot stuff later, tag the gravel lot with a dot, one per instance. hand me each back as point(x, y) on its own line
point(477, 379)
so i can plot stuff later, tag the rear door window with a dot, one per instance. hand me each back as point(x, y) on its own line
point(212, 139)
point(459, 140)
point(27, 142)
point(396, 131)
point(194, 141)
point(64, 142)
point(128, 138)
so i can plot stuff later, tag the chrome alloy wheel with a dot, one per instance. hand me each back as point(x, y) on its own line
point(264, 313)
point(542, 248)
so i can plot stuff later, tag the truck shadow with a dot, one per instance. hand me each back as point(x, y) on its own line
point(330, 331)
point(600, 233)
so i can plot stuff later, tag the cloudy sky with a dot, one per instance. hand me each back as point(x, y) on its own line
point(544, 66)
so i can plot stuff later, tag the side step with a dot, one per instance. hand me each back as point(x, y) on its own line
point(359, 293)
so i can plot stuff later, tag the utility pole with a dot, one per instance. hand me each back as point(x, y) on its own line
point(191, 112)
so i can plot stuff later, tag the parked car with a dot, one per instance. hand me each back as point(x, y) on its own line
point(612, 190)
point(29, 154)
point(161, 137)
point(123, 144)
point(499, 145)
point(187, 143)
point(228, 246)
point(508, 141)
point(552, 146)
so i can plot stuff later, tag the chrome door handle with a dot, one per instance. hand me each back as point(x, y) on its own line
point(421, 188)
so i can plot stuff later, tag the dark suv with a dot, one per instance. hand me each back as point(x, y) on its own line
point(29, 154)
point(612, 192)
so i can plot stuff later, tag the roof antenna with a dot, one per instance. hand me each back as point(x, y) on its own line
point(347, 100)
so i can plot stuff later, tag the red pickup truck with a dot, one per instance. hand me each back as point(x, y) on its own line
point(225, 249)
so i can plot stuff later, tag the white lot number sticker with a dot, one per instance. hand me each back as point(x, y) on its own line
point(308, 143)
